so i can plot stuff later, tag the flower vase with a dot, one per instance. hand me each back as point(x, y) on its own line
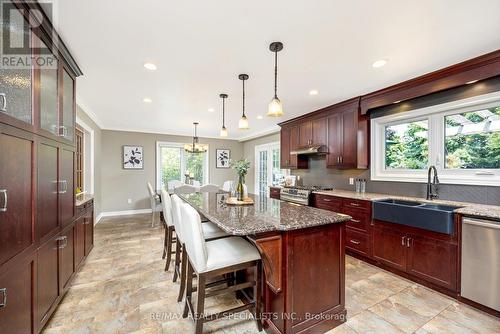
point(239, 188)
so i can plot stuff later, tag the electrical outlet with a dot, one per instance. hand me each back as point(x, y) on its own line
point(129, 201)
point(351, 181)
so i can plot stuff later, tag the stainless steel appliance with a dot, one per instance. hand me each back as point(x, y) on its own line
point(481, 261)
point(300, 194)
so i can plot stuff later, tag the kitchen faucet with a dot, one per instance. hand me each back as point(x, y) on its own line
point(432, 187)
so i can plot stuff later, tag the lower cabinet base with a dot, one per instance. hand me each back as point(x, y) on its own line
point(453, 294)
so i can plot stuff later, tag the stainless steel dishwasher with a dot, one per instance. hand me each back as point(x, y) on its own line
point(481, 261)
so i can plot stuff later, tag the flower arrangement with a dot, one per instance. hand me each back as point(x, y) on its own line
point(241, 167)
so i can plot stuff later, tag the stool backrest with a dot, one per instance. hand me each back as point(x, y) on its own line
point(209, 188)
point(194, 238)
point(185, 189)
point(172, 184)
point(176, 216)
point(227, 185)
point(166, 202)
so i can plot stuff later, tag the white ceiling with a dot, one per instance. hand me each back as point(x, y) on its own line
point(200, 47)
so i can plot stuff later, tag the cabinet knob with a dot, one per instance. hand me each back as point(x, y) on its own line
point(5, 198)
point(3, 291)
point(3, 101)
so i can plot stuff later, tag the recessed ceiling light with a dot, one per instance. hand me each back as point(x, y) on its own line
point(313, 92)
point(211, 109)
point(147, 100)
point(150, 66)
point(379, 63)
point(470, 82)
point(260, 117)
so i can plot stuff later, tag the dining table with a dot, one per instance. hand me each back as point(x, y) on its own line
point(302, 251)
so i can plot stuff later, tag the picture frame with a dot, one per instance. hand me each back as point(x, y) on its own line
point(222, 157)
point(132, 157)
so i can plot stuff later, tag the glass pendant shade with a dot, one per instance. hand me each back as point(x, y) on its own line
point(223, 132)
point(243, 123)
point(275, 108)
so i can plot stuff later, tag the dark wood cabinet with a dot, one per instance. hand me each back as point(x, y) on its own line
point(16, 196)
point(48, 188)
point(275, 192)
point(66, 186)
point(432, 260)
point(389, 247)
point(16, 298)
point(289, 139)
point(47, 279)
point(340, 127)
point(88, 221)
point(79, 240)
point(66, 257)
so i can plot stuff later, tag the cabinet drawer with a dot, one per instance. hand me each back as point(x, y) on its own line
point(357, 204)
point(360, 220)
point(327, 202)
point(357, 241)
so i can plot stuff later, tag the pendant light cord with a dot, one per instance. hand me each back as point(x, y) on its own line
point(275, 74)
point(243, 98)
point(223, 112)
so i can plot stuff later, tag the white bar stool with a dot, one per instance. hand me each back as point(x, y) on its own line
point(169, 228)
point(213, 259)
point(156, 207)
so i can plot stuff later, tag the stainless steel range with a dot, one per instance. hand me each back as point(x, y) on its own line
point(300, 194)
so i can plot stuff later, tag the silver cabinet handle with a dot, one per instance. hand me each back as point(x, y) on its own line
point(327, 200)
point(403, 241)
point(3, 98)
point(338, 159)
point(64, 189)
point(5, 198)
point(64, 131)
point(408, 241)
point(355, 220)
point(354, 204)
point(3, 291)
point(64, 240)
point(355, 242)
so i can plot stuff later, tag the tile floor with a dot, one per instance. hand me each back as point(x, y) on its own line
point(122, 288)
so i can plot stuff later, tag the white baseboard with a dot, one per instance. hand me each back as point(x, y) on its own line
point(122, 213)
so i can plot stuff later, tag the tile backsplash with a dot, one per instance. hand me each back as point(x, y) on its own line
point(318, 174)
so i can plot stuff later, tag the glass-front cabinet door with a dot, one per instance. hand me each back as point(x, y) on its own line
point(16, 75)
point(49, 111)
point(68, 105)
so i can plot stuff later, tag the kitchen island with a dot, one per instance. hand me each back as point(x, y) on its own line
point(302, 250)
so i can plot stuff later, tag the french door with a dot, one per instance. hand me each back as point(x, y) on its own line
point(267, 167)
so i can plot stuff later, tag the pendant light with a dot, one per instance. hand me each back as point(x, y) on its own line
point(223, 130)
point(275, 108)
point(195, 147)
point(243, 123)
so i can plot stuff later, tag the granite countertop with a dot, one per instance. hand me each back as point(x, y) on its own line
point(82, 199)
point(266, 215)
point(468, 209)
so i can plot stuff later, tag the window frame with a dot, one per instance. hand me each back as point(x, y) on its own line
point(160, 144)
point(436, 139)
point(269, 147)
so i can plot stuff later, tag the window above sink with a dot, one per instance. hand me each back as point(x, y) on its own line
point(461, 138)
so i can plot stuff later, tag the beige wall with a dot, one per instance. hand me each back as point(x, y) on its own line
point(249, 153)
point(119, 185)
point(97, 158)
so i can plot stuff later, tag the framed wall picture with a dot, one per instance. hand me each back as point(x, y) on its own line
point(222, 157)
point(132, 157)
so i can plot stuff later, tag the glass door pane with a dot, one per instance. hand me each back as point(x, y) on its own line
point(49, 111)
point(16, 78)
point(195, 165)
point(276, 174)
point(262, 181)
point(170, 165)
point(68, 130)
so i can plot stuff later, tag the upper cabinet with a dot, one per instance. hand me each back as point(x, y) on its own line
point(49, 97)
point(340, 127)
point(16, 82)
point(68, 107)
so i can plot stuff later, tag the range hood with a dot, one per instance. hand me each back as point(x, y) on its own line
point(310, 150)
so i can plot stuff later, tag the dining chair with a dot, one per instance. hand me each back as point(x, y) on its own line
point(166, 202)
point(210, 232)
point(172, 184)
point(156, 207)
point(227, 185)
point(185, 189)
point(213, 259)
point(209, 188)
